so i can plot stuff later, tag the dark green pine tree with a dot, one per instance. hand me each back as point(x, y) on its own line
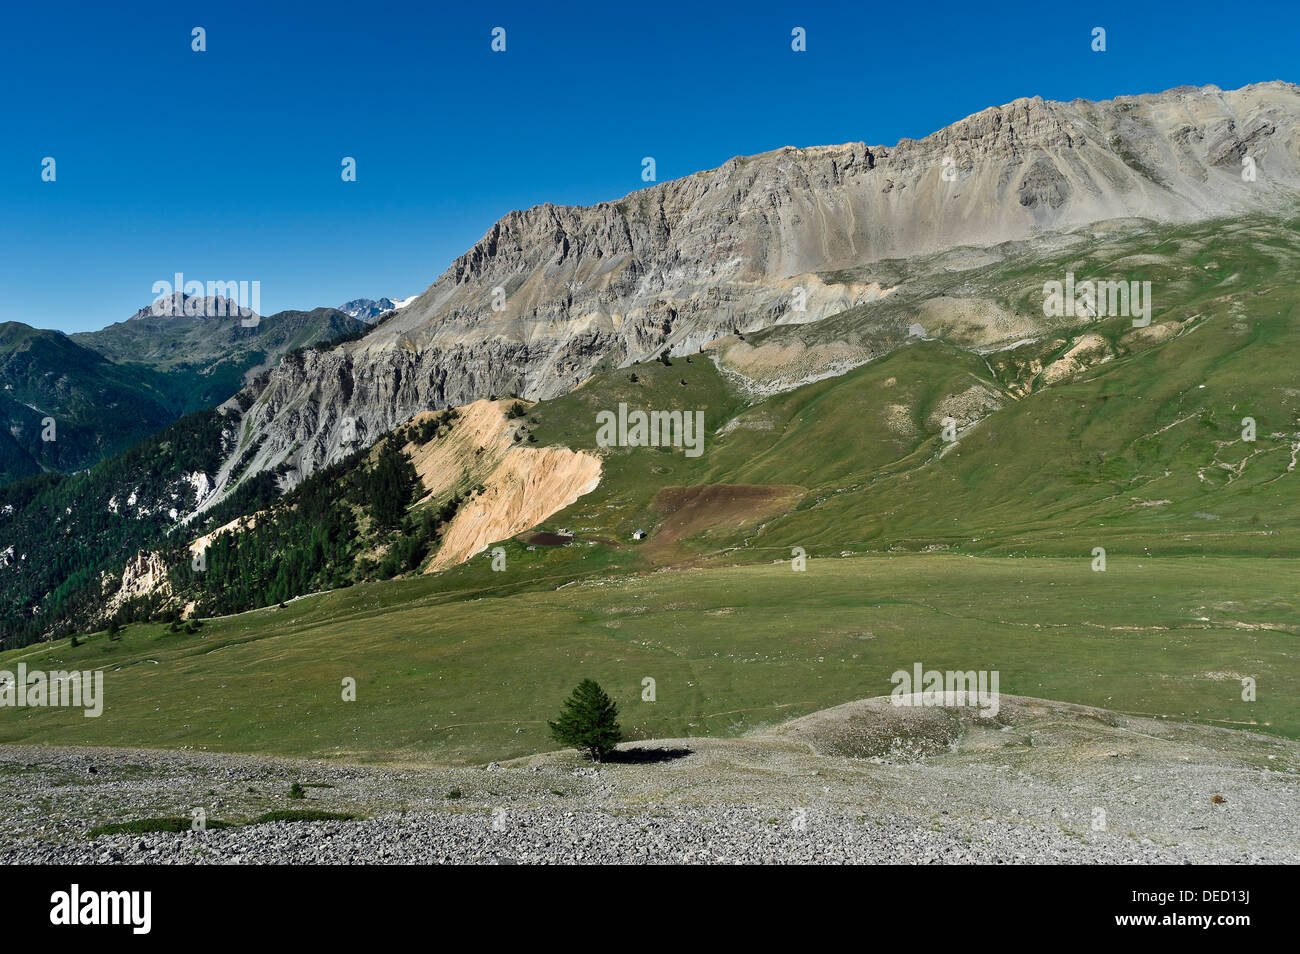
point(589, 722)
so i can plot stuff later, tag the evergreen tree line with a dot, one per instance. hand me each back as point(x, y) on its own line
point(64, 534)
point(65, 537)
point(316, 536)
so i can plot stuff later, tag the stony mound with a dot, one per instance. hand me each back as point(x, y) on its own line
point(877, 728)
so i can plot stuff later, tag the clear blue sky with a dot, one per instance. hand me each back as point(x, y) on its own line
point(225, 164)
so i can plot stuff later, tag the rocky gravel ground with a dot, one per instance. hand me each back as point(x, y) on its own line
point(1044, 783)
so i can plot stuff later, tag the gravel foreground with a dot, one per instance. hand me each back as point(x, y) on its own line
point(1044, 783)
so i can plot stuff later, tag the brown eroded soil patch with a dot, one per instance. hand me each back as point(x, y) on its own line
point(545, 539)
point(691, 510)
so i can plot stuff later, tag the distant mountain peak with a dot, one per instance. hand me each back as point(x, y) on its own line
point(369, 309)
point(180, 305)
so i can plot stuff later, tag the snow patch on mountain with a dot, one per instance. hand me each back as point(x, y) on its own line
point(370, 309)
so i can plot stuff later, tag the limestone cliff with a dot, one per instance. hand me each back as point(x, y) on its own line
point(551, 292)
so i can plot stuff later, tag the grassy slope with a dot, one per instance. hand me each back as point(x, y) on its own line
point(467, 665)
point(1057, 473)
point(731, 649)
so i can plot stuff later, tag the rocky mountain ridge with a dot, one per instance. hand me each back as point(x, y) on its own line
point(552, 293)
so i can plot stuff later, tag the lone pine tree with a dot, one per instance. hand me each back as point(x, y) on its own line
point(588, 722)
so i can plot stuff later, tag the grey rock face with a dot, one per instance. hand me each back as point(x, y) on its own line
point(550, 292)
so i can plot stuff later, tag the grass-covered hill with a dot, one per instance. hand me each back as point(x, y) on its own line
point(98, 408)
point(976, 553)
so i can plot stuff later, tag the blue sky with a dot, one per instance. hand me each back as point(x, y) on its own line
point(225, 165)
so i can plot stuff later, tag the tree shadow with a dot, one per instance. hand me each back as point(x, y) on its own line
point(645, 756)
